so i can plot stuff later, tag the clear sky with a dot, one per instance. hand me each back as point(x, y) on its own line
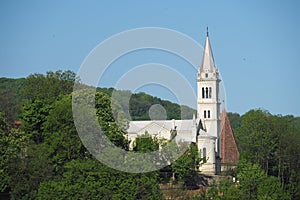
point(256, 44)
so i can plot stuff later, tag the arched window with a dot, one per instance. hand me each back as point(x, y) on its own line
point(206, 92)
point(203, 93)
point(204, 154)
point(204, 113)
point(209, 92)
point(208, 114)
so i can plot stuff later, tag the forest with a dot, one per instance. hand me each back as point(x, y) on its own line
point(42, 156)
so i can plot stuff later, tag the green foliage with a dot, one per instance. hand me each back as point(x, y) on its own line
point(27, 171)
point(114, 131)
point(107, 91)
point(136, 106)
point(46, 159)
point(140, 104)
point(186, 112)
point(48, 87)
point(255, 184)
point(81, 180)
point(272, 142)
point(88, 179)
point(270, 188)
point(13, 148)
point(3, 124)
point(251, 183)
point(4, 177)
point(60, 133)
point(33, 116)
point(10, 98)
point(145, 143)
point(250, 176)
point(235, 120)
point(184, 167)
point(9, 105)
point(257, 138)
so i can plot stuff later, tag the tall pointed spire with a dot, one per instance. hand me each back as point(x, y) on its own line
point(208, 63)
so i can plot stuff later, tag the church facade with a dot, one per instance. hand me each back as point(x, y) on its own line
point(209, 129)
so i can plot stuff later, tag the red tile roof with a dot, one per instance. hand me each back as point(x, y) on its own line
point(229, 151)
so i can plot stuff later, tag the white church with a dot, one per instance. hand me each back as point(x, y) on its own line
point(210, 130)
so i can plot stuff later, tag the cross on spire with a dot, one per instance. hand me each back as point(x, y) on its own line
point(208, 63)
point(207, 31)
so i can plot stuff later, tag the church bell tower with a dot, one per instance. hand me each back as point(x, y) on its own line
point(208, 101)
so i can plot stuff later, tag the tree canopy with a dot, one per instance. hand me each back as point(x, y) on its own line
point(44, 158)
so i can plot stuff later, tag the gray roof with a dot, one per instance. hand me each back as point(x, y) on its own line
point(181, 125)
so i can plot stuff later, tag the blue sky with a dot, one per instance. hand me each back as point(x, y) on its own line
point(256, 44)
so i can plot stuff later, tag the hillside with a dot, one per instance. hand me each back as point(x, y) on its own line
point(14, 93)
point(10, 97)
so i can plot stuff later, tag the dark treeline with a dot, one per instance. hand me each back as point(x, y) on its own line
point(138, 105)
point(15, 92)
point(44, 158)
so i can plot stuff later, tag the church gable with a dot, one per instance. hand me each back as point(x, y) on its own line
point(229, 150)
point(155, 129)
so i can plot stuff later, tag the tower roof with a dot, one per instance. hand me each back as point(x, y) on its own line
point(208, 63)
point(229, 151)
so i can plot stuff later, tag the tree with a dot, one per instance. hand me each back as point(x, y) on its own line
point(3, 124)
point(60, 134)
point(256, 138)
point(287, 165)
point(255, 184)
point(184, 167)
point(235, 120)
point(145, 143)
point(33, 116)
point(249, 176)
point(272, 142)
point(105, 114)
point(28, 170)
point(10, 98)
point(140, 104)
point(9, 106)
point(23, 165)
point(251, 183)
point(89, 179)
point(4, 177)
point(82, 179)
point(48, 87)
